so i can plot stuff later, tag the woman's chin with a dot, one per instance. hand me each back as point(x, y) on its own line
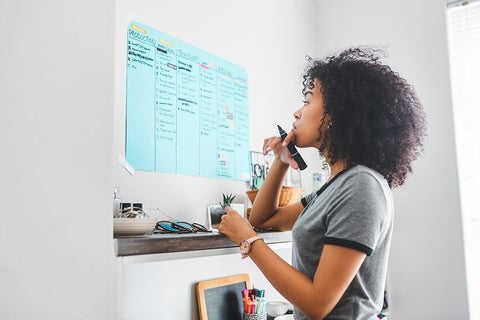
point(303, 144)
point(299, 144)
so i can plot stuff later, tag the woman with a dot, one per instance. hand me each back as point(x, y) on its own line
point(369, 125)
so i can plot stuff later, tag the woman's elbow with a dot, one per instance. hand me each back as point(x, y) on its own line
point(254, 222)
point(316, 316)
point(317, 312)
point(257, 223)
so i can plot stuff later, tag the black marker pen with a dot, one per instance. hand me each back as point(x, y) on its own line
point(293, 151)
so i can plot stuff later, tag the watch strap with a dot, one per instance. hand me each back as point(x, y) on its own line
point(250, 241)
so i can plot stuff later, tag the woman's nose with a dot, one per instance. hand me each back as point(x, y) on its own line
point(298, 114)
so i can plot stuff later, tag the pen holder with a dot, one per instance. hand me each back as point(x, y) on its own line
point(248, 316)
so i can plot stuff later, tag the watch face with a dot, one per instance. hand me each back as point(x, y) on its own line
point(244, 247)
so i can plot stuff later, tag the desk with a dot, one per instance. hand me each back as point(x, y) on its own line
point(171, 243)
point(148, 266)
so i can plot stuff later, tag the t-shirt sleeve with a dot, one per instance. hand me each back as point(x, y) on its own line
point(306, 199)
point(358, 215)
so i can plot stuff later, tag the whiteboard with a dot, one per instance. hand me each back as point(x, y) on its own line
point(187, 109)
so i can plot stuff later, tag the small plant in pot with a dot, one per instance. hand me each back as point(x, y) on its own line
point(217, 211)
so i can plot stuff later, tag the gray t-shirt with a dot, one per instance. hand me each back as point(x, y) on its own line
point(355, 210)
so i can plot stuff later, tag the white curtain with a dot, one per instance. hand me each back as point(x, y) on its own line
point(463, 22)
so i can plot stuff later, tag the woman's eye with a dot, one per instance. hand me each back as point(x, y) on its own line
point(305, 102)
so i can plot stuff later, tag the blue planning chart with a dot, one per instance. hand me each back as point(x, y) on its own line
point(187, 109)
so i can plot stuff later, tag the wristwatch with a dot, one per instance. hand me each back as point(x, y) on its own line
point(246, 246)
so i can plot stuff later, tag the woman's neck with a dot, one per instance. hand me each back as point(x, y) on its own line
point(339, 166)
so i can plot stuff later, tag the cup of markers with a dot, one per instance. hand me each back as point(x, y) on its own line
point(254, 304)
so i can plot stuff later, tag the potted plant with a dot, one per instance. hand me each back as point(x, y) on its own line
point(227, 200)
point(215, 212)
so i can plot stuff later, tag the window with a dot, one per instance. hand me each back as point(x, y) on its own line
point(463, 23)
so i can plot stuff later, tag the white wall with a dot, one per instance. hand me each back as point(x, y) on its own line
point(268, 39)
point(56, 249)
point(56, 138)
point(427, 269)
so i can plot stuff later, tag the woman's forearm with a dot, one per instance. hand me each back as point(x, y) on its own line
point(288, 281)
point(266, 201)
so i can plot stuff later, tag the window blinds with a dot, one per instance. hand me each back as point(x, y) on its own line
point(463, 23)
point(463, 19)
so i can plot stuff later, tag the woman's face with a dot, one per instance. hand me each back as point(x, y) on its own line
point(309, 118)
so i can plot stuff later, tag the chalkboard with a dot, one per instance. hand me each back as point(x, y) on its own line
point(221, 299)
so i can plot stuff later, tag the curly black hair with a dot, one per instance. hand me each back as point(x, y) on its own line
point(376, 118)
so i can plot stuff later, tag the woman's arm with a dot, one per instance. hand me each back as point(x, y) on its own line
point(265, 212)
point(335, 271)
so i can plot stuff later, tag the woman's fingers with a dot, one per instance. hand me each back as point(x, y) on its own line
point(228, 209)
point(266, 143)
point(293, 163)
point(235, 227)
point(276, 145)
point(270, 144)
point(290, 137)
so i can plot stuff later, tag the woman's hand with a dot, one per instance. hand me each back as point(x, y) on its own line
point(280, 150)
point(235, 227)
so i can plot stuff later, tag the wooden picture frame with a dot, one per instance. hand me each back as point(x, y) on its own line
point(219, 299)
